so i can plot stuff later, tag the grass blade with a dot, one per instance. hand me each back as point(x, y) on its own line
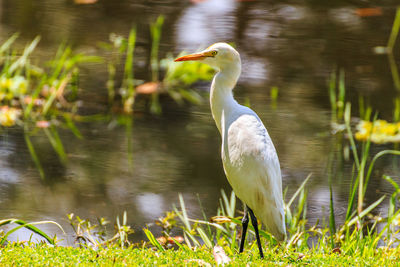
point(395, 31)
point(6, 45)
point(34, 156)
point(392, 182)
point(29, 226)
point(298, 191)
point(56, 143)
point(366, 211)
point(332, 223)
point(204, 237)
point(352, 194)
point(183, 215)
point(347, 117)
point(194, 240)
point(332, 95)
point(20, 63)
point(153, 240)
point(341, 96)
point(204, 216)
point(71, 125)
point(375, 158)
point(128, 69)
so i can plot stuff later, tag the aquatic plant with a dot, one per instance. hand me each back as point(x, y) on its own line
point(9, 116)
point(359, 223)
point(179, 77)
point(29, 93)
point(358, 231)
point(176, 81)
point(155, 31)
point(39, 98)
point(337, 93)
point(222, 229)
point(17, 224)
point(368, 130)
point(355, 234)
point(95, 235)
point(379, 131)
point(389, 48)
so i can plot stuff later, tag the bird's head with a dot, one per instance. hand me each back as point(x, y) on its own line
point(218, 56)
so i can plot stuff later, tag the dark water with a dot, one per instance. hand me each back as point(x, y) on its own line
point(141, 168)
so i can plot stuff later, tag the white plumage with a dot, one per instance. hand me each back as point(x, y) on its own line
point(252, 168)
point(248, 154)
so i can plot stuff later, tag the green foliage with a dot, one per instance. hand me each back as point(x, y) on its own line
point(363, 171)
point(39, 98)
point(178, 77)
point(127, 88)
point(153, 240)
point(274, 96)
point(30, 226)
point(353, 254)
point(395, 31)
point(121, 47)
point(390, 47)
point(96, 235)
point(396, 111)
point(117, 47)
point(186, 72)
point(31, 95)
point(363, 164)
point(155, 30)
point(365, 111)
point(337, 93)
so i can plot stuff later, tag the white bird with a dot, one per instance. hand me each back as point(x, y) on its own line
point(249, 158)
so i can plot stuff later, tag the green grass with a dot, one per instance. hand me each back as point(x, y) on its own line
point(43, 255)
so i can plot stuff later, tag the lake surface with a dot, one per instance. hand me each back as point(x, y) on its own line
point(293, 45)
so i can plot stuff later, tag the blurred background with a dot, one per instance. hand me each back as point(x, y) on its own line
point(287, 47)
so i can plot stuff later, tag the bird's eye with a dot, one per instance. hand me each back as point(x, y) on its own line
point(214, 53)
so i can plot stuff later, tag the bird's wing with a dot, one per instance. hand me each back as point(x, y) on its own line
point(252, 168)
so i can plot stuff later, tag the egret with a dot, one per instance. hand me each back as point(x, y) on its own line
point(249, 157)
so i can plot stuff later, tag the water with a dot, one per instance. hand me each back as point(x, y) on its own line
point(141, 168)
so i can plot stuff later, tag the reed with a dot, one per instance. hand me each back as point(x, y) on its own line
point(37, 98)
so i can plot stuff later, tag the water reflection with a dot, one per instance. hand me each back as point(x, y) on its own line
point(152, 205)
point(141, 169)
point(7, 174)
point(206, 23)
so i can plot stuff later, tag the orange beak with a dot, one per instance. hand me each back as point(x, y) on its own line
point(197, 56)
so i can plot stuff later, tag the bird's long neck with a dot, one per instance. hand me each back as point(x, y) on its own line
point(221, 97)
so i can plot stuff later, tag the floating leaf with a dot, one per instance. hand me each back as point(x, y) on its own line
point(85, 2)
point(170, 240)
point(148, 88)
point(37, 101)
point(43, 124)
point(197, 1)
point(369, 12)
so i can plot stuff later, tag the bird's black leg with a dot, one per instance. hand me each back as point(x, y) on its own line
point(255, 225)
point(245, 222)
